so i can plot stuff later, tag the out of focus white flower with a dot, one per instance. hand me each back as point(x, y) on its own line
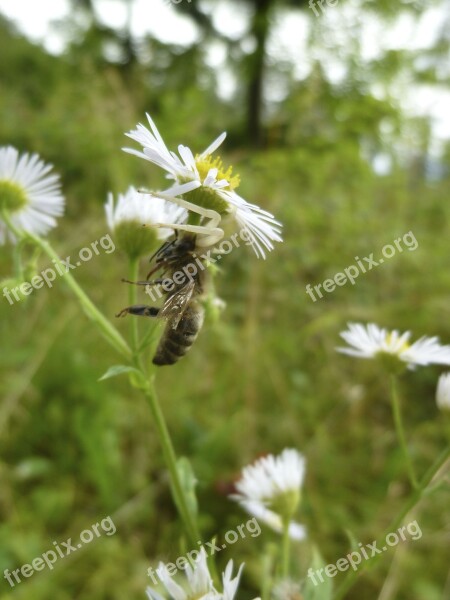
point(371, 341)
point(29, 195)
point(270, 490)
point(287, 590)
point(199, 585)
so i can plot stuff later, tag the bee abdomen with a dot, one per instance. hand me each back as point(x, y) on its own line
point(176, 342)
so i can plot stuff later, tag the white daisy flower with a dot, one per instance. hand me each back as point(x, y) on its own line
point(230, 584)
point(31, 197)
point(132, 210)
point(270, 490)
point(371, 341)
point(200, 585)
point(213, 185)
point(443, 392)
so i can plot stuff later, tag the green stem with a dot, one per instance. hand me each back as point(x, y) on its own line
point(107, 329)
point(117, 341)
point(170, 457)
point(171, 462)
point(17, 257)
point(415, 498)
point(133, 272)
point(422, 487)
point(401, 432)
point(286, 543)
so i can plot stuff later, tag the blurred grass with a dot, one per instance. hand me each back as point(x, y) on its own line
point(265, 377)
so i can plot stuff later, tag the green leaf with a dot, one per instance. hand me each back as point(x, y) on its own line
point(315, 588)
point(118, 370)
point(188, 483)
point(352, 539)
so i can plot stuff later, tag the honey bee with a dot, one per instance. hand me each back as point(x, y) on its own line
point(184, 274)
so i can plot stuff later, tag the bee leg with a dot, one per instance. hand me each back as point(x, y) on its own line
point(140, 310)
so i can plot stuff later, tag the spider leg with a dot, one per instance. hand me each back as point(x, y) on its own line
point(211, 235)
point(211, 232)
point(208, 213)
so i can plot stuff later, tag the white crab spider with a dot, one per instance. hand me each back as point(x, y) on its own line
point(209, 233)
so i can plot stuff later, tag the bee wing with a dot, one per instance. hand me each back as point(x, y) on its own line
point(176, 304)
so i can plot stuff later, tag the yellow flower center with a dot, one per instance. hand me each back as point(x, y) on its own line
point(207, 197)
point(205, 163)
point(12, 196)
point(405, 346)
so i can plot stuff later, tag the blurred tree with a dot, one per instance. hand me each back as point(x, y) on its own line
point(103, 44)
point(254, 62)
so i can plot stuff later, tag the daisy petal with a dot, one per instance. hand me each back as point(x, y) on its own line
point(38, 193)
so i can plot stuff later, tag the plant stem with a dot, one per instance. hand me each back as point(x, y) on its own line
point(398, 519)
point(170, 458)
point(421, 489)
point(401, 432)
point(17, 257)
point(286, 543)
point(171, 462)
point(133, 271)
point(117, 341)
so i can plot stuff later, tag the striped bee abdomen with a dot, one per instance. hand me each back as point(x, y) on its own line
point(175, 342)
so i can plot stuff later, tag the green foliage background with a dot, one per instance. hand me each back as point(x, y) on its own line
point(266, 375)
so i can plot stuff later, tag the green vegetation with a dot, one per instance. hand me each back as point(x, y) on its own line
point(263, 377)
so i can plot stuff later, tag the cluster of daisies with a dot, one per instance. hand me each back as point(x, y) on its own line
point(199, 583)
point(201, 198)
point(270, 490)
